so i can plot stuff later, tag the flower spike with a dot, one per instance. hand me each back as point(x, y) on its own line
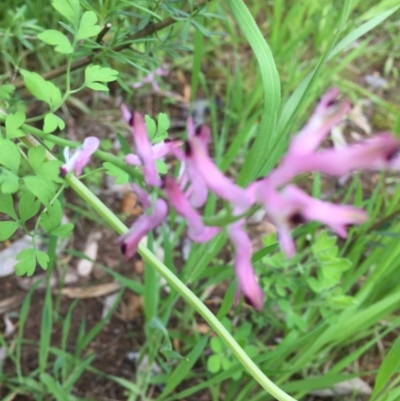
point(80, 158)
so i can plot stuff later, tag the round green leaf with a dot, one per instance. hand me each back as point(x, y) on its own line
point(214, 363)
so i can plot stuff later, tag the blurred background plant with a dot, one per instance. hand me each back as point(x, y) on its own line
point(330, 323)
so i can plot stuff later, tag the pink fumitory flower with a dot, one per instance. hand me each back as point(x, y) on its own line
point(80, 157)
point(197, 231)
point(204, 175)
point(147, 153)
point(150, 78)
point(143, 225)
point(285, 204)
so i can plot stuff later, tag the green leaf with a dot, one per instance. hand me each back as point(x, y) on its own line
point(162, 167)
point(57, 39)
point(7, 229)
point(50, 171)
point(41, 187)
point(50, 220)
point(52, 122)
point(95, 74)
point(69, 9)
point(42, 89)
point(97, 87)
point(87, 26)
point(151, 127)
point(170, 354)
point(216, 344)
point(9, 181)
point(9, 155)
point(42, 258)
point(36, 156)
point(124, 144)
point(259, 152)
point(184, 368)
point(28, 206)
point(63, 231)
point(163, 125)
point(388, 367)
point(214, 363)
point(6, 91)
point(7, 205)
point(52, 386)
point(13, 123)
point(114, 171)
point(27, 262)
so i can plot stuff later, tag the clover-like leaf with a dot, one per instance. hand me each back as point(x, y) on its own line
point(14, 123)
point(122, 177)
point(52, 122)
point(43, 188)
point(9, 155)
point(28, 206)
point(87, 26)
point(42, 89)
point(57, 39)
point(7, 206)
point(51, 219)
point(27, 263)
point(95, 74)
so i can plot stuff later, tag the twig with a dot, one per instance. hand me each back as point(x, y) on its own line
point(103, 32)
point(84, 61)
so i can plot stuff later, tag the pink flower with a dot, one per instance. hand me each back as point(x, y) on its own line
point(247, 282)
point(292, 206)
point(150, 78)
point(197, 231)
point(376, 153)
point(144, 224)
point(143, 146)
point(159, 150)
point(328, 113)
point(80, 158)
point(205, 175)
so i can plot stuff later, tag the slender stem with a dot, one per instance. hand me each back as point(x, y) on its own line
point(108, 216)
point(182, 289)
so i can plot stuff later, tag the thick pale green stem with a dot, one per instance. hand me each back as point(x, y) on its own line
point(105, 213)
point(182, 289)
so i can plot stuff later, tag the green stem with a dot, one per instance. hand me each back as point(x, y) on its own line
point(181, 288)
point(116, 224)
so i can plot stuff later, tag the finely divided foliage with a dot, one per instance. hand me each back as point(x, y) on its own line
point(319, 291)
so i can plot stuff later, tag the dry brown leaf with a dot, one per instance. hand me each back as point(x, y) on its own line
point(93, 291)
point(203, 328)
point(132, 307)
point(138, 265)
point(130, 206)
point(11, 303)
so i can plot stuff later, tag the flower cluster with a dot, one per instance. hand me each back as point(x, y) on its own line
point(284, 204)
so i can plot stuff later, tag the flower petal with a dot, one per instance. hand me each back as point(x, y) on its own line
point(145, 223)
point(247, 282)
point(337, 217)
point(197, 232)
point(144, 150)
point(80, 157)
point(202, 166)
point(328, 113)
